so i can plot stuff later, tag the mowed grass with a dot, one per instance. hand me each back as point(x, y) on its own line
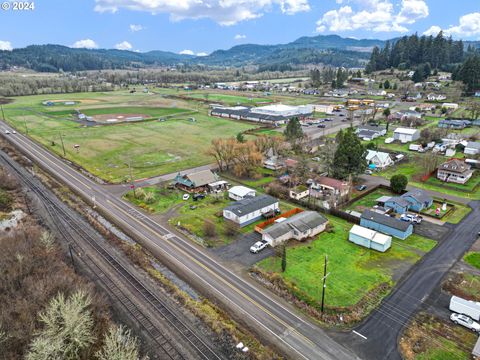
point(472, 258)
point(151, 111)
point(354, 271)
point(152, 148)
point(228, 99)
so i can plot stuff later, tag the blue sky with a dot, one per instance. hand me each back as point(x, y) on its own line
point(203, 26)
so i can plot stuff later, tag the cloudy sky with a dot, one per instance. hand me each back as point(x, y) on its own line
point(201, 26)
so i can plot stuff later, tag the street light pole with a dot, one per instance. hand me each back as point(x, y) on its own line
point(63, 145)
point(132, 184)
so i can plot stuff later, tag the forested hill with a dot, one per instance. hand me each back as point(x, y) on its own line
point(322, 49)
point(53, 58)
point(330, 50)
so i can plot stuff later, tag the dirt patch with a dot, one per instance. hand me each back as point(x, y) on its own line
point(108, 118)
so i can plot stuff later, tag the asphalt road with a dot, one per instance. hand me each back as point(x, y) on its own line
point(272, 319)
point(383, 328)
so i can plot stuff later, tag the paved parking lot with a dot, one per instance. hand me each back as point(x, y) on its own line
point(239, 250)
point(431, 230)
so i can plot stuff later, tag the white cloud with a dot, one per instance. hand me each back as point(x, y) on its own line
point(186, 52)
point(6, 45)
point(124, 45)
point(85, 43)
point(136, 27)
point(202, 54)
point(468, 26)
point(373, 15)
point(225, 12)
point(240, 37)
point(434, 30)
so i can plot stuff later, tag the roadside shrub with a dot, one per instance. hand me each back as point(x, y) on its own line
point(209, 229)
point(231, 229)
point(7, 181)
point(6, 201)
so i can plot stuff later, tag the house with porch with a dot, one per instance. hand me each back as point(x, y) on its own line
point(249, 210)
point(454, 170)
point(200, 181)
point(378, 159)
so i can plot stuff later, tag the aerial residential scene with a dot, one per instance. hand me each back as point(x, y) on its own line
point(252, 179)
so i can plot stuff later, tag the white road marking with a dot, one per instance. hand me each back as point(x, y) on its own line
point(357, 333)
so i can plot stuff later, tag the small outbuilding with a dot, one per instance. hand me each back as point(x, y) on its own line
point(370, 239)
point(240, 192)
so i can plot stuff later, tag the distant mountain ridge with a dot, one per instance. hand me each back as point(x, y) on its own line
point(321, 49)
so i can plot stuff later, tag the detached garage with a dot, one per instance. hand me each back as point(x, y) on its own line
point(370, 239)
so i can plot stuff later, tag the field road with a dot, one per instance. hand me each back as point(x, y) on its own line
point(269, 317)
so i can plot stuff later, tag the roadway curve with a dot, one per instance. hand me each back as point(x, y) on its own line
point(268, 316)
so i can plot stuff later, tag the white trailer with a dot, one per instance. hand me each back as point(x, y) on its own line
point(465, 307)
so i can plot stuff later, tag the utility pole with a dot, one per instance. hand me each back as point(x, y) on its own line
point(63, 145)
point(132, 183)
point(324, 281)
point(3, 114)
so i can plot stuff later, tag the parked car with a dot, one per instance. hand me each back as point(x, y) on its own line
point(368, 172)
point(321, 126)
point(7, 131)
point(258, 246)
point(413, 218)
point(198, 197)
point(464, 320)
point(316, 158)
point(465, 307)
point(360, 187)
point(186, 196)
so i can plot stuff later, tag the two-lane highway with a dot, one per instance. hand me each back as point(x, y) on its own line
point(268, 316)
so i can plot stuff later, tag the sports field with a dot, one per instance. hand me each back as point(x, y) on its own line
point(227, 99)
point(152, 148)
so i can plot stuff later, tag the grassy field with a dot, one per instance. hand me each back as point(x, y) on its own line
point(152, 148)
point(354, 271)
point(228, 99)
point(472, 258)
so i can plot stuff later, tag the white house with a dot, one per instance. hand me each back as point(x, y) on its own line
point(406, 135)
point(249, 210)
point(380, 159)
point(450, 106)
point(436, 97)
point(472, 148)
point(299, 192)
point(240, 193)
point(300, 226)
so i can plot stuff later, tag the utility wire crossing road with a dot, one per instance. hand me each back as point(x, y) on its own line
point(270, 318)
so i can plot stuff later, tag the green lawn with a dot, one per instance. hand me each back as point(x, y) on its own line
point(211, 210)
point(354, 271)
point(228, 99)
point(152, 148)
point(473, 258)
point(160, 200)
point(369, 200)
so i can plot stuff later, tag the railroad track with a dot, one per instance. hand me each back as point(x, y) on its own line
point(69, 227)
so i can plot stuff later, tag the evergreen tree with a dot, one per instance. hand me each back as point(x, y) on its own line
point(386, 84)
point(349, 157)
point(240, 137)
point(284, 258)
point(293, 131)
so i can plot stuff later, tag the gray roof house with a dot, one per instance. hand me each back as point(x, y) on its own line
point(300, 226)
point(249, 210)
point(386, 224)
point(472, 148)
